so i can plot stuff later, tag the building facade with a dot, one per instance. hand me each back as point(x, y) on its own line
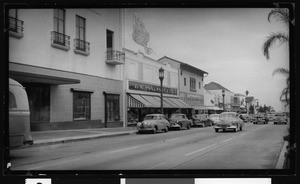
point(190, 83)
point(71, 64)
point(143, 90)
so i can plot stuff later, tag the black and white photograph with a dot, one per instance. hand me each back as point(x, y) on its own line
point(150, 89)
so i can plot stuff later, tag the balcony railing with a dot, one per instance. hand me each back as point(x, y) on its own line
point(59, 40)
point(16, 27)
point(81, 46)
point(115, 57)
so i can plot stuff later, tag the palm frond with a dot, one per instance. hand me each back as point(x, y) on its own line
point(280, 14)
point(271, 40)
point(282, 71)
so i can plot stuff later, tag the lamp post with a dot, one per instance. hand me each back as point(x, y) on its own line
point(223, 94)
point(161, 78)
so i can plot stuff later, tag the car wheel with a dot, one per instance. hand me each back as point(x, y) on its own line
point(241, 128)
point(188, 126)
point(217, 130)
point(154, 130)
point(166, 129)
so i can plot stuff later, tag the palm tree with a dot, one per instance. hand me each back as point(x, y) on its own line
point(282, 15)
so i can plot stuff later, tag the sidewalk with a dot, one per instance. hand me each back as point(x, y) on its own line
point(63, 136)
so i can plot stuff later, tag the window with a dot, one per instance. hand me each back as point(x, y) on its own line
point(113, 107)
point(81, 105)
point(15, 25)
point(12, 101)
point(192, 84)
point(109, 40)
point(59, 21)
point(81, 46)
point(184, 81)
point(199, 85)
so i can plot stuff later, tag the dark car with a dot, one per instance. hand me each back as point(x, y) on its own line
point(201, 120)
point(179, 121)
point(260, 119)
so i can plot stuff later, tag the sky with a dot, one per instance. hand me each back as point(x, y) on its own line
point(224, 42)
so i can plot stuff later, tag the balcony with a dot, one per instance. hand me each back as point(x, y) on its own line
point(81, 47)
point(60, 41)
point(16, 27)
point(115, 57)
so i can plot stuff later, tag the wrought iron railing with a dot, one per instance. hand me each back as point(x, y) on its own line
point(115, 55)
point(16, 25)
point(59, 38)
point(81, 45)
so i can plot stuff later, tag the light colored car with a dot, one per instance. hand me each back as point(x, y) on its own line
point(153, 123)
point(260, 119)
point(179, 121)
point(245, 117)
point(280, 118)
point(214, 118)
point(271, 117)
point(201, 120)
point(229, 121)
point(19, 116)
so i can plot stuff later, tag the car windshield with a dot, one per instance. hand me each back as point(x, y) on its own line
point(214, 115)
point(150, 117)
point(227, 115)
point(176, 116)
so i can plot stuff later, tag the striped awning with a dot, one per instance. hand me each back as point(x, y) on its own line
point(139, 101)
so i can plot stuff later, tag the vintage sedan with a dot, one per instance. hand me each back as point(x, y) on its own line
point(260, 119)
point(179, 121)
point(229, 121)
point(201, 120)
point(153, 123)
point(280, 118)
point(214, 118)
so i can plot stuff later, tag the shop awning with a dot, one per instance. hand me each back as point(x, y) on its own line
point(213, 108)
point(137, 101)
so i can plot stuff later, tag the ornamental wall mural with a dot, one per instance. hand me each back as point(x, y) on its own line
point(140, 35)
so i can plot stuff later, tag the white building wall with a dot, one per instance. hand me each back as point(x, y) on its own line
point(37, 41)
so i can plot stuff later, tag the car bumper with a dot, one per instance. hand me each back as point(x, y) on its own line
point(174, 126)
point(232, 127)
point(145, 129)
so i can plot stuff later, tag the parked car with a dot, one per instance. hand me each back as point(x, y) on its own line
point(271, 117)
point(201, 120)
point(179, 121)
point(153, 123)
point(260, 119)
point(245, 117)
point(229, 121)
point(214, 118)
point(280, 118)
point(19, 116)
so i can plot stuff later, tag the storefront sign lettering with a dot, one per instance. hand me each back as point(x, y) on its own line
point(151, 88)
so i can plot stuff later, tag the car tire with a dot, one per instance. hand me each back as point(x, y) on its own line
point(241, 128)
point(154, 130)
point(188, 126)
point(166, 129)
point(216, 130)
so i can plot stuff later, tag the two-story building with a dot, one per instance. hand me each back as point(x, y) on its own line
point(143, 88)
point(71, 64)
point(190, 83)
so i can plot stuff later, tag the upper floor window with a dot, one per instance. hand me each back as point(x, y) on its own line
point(192, 84)
point(184, 81)
point(81, 45)
point(109, 40)
point(15, 25)
point(199, 85)
point(58, 37)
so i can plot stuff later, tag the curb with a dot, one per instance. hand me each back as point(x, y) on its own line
point(74, 139)
point(281, 158)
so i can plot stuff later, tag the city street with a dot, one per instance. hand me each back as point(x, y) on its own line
point(256, 147)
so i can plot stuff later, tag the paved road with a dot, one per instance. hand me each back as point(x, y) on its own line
point(256, 147)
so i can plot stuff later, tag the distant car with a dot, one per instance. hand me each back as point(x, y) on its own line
point(179, 121)
point(214, 118)
point(153, 123)
point(229, 121)
point(201, 120)
point(245, 117)
point(280, 119)
point(260, 119)
point(271, 117)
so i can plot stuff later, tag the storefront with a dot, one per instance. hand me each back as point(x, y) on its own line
point(144, 98)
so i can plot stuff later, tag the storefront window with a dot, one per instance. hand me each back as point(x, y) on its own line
point(82, 106)
point(113, 107)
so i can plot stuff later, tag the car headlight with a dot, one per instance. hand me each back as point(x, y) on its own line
point(139, 124)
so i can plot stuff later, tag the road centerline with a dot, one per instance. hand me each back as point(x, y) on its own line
point(188, 154)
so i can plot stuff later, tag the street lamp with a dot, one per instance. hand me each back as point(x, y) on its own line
point(223, 94)
point(161, 78)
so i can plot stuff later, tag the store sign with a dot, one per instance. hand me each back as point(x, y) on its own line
point(194, 100)
point(151, 88)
